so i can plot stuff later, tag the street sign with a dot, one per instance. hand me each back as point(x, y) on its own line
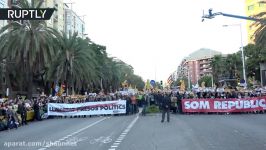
point(152, 82)
point(242, 81)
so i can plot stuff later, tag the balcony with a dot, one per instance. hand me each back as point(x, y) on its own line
point(204, 62)
point(205, 71)
point(202, 67)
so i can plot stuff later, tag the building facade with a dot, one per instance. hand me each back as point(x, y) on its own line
point(64, 19)
point(57, 20)
point(197, 65)
point(253, 7)
point(73, 22)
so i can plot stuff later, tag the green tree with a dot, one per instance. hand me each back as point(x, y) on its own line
point(29, 44)
point(74, 64)
point(233, 66)
point(255, 55)
point(218, 67)
point(207, 80)
point(260, 33)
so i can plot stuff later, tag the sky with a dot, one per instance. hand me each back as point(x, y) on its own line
point(155, 35)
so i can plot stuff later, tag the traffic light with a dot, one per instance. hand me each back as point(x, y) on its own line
point(161, 82)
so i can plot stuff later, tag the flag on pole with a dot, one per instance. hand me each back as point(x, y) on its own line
point(182, 86)
point(170, 80)
point(61, 90)
point(147, 85)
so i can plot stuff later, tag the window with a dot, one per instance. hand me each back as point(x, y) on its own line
point(251, 7)
point(262, 4)
point(13, 1)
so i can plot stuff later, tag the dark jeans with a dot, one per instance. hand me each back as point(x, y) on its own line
point(168, 114)
point(180, 108)
point(144, 110)
point(11, 124)
point(23, 119)
point(134, 108)
point(37, 115)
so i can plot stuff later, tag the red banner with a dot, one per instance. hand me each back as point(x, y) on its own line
point(224, 105)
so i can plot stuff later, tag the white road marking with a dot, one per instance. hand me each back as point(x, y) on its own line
point(80, 130)
point(114, 146)
point(116, 143)
point(123, 134)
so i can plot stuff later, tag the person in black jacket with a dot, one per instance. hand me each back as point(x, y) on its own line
point(36, 109)
point(166, 103)
point(179, 103)
point(160, 100)
point(144, 104)
point(22, 110)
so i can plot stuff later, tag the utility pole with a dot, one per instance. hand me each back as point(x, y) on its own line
point(212, 70)
point(188, 77)
point(242, 51)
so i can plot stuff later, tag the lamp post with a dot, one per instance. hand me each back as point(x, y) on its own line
point(242, 51)
point(210, 65)
point(188, 76)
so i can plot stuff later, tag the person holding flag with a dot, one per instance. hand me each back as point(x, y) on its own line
point(61, 90)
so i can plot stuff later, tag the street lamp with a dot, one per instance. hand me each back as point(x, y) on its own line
point(188, 76)
point(242, 51)
point(210, 64)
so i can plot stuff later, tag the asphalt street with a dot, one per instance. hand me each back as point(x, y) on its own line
point(183, 132)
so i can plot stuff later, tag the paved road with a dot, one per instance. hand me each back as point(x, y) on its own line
point(184, 132)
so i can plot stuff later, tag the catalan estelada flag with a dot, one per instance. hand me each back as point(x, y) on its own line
point(170, 80)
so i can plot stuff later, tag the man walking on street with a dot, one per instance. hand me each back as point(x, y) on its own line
point(166, 103)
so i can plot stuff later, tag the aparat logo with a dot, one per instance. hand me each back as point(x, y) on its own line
point(26, 14)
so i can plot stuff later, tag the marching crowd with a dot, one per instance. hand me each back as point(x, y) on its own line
point(17, 112)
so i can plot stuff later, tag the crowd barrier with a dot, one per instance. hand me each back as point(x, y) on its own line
point(224, 105)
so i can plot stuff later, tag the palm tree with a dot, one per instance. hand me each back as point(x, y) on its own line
point(74, 64)
point(217, 67)
point(255, 55)
point(29, 43)
point(233, 65)
point(260, 33)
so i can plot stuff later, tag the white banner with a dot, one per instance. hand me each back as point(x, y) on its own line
point(88, 108)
